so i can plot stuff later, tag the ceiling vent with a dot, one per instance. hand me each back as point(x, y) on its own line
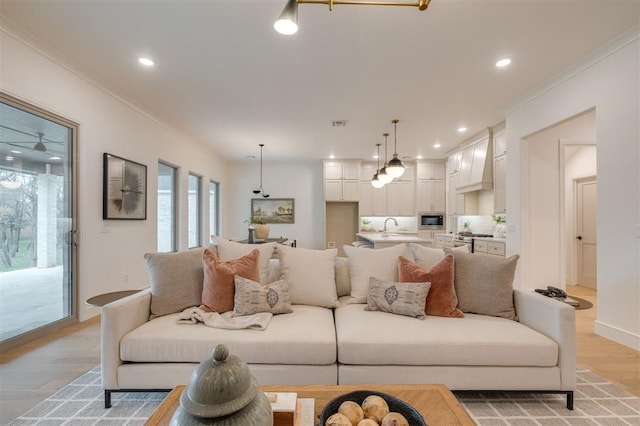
point(339, 123)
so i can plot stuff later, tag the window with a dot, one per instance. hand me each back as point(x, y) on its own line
point(213, 208)
point(38, 204)
point(193, 210)
point(166, 208)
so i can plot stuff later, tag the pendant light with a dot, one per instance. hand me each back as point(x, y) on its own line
point(287, 23)
point(40, 146)
point(382, 174)
point(376, 182)
point(395, 168)
point(260, 190)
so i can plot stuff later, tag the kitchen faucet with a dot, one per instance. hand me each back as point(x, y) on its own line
point(385, 223)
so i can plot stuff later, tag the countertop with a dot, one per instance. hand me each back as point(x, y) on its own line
point(392, 238)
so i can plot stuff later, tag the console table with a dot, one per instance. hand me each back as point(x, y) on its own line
point(268, 240)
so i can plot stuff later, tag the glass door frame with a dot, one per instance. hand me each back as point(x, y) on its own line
point(72, 318)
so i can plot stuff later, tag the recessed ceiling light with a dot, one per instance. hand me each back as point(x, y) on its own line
point(503, 62)
point(55, 157)
point(332, 156)
point(462, 129)
point(15, 151)
point(8, 158)
point(419, 157)
point(437, 145)
point(375, 156)
point(145, 61)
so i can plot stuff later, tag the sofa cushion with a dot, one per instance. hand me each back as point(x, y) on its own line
point(365, 263)
point(484, 283)
point(228, 250)
point(377, 338)
point(305, 336)
point(397, 298)
point(218, 288)
point(442, 299)
point(343, 281)
point(252, 297)
point(176, 281)
point(429, 256)
point(310, 275)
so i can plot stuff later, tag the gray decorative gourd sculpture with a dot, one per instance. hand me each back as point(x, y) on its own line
point(222, 391)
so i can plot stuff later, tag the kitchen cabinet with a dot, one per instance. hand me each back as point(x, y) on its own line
point(430, 170)
point(499, 142)
point(499, 171)
point(476, 167)
point(400, 198)
point(492, 247)
point(373, 201)
point(396, 198)
point(453, 163)
point(431, 196)
point(444, 240)
point(455, 199)
point(342, 180)
point(500, 185)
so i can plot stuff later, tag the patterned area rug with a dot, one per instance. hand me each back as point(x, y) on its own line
point(597, 402)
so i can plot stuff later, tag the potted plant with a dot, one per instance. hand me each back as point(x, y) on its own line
point(365, 225)
point(261, 227)
point(500, 231)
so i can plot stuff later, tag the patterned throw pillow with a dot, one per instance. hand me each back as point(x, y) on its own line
point(252, 297)
point(397, 298)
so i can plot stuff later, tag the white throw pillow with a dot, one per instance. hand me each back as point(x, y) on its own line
point(229, 250)
point(310, 275)
point(429, 256)
point(365, 263)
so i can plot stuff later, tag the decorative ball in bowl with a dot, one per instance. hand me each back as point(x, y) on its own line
point(371, 405)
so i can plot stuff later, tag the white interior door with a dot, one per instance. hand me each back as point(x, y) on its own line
point(586, 243)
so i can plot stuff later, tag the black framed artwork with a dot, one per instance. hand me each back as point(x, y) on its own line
point(124, 193)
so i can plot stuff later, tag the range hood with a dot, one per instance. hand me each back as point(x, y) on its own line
point(476, 165)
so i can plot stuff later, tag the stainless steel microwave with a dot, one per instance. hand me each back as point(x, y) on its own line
point(431, 221)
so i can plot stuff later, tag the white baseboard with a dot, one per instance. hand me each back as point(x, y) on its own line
point(617, 335)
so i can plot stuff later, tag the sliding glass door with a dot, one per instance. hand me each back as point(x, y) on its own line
point(37, 226)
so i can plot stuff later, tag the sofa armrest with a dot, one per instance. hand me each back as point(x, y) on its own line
point(555, 320)
point(118, 319)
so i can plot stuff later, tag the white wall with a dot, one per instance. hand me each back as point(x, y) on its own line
point(300, 180)
point(607, 81)
point(579, 162)
point(110, 253)
point(543, 197)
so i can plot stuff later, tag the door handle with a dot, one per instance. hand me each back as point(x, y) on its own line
point(579, 237)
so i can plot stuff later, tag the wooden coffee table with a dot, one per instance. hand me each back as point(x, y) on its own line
point(436, 403)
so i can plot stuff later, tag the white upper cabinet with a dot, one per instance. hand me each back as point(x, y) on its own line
point(429, 170)
point(431, 196)
point(342, 180)
point(500, 184)
point(499, 170)
point(499, 143)
point(453, 163)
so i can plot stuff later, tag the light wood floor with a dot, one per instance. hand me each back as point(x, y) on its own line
point(30, 373)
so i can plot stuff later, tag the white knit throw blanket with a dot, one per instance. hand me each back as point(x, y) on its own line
point(194, 315)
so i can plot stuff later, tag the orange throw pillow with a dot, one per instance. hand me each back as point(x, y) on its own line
point(218, 289)
point(442, 299)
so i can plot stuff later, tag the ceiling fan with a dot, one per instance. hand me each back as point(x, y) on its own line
point(260, 190)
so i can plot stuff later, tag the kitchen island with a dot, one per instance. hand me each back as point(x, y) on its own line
point(382, 240)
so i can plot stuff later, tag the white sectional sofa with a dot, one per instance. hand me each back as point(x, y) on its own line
point(346, 344)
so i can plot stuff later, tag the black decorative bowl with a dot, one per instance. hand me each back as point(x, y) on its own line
point(411, 414)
